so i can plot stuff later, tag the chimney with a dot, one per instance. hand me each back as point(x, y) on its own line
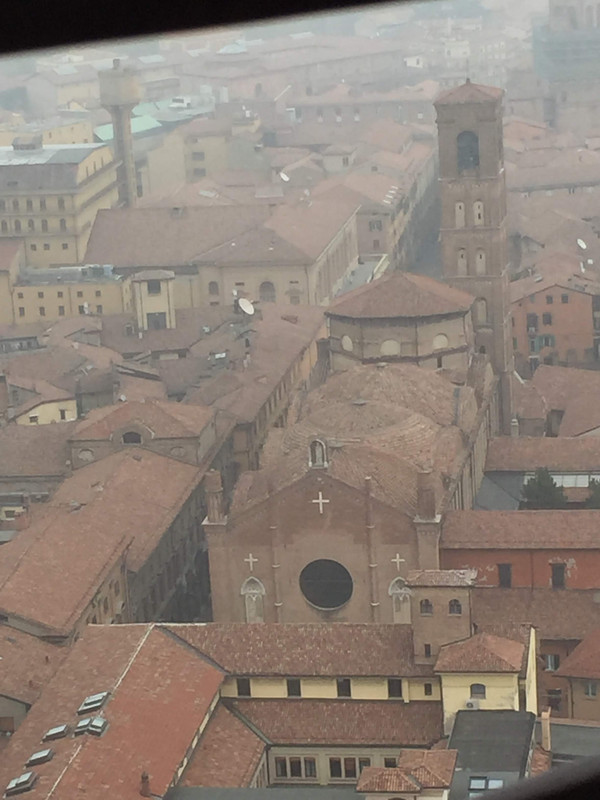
point(145, 785)
point(213, 489)
point(514, 427)
point(425, 495)
point(546, 734)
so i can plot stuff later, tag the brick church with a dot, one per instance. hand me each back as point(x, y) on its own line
point(351, 495)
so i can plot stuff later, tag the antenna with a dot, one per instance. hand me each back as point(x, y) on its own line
point(246, 306)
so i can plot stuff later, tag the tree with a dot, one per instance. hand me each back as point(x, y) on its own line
point(542, 492)
point(593, 500)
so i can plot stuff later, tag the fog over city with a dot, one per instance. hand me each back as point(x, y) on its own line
point(299, 431)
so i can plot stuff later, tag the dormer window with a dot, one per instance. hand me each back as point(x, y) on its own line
point(131, 437)
point(153, 286)
point(317, 454)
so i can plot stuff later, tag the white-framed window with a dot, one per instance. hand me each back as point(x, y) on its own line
point(552, 662)
point(253, 592)
point(591, 689)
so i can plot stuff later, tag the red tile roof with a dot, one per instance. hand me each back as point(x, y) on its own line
point(28, 663)
point(345, 722)
point(228, 754)
point(481, 653)
point(584, 661)
point(416, 770)
point(527, 453)
point(35, 450)
point(160, 692)
point(305, 649)
point(521, 530)
point(165, 420)
point(401, 295)
point(469, 93)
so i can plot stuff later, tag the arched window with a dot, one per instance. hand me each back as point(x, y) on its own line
point(440, 342)
point(467, 148)
point(480, 308)
point(253, 593)
point(459, 215)
point(478, 690)
point(317, 454)
point(478, 218)
point(4, 226)
point(400, 594)
point(31, 224)
point(426, 607)
point(63, 224)
point(454, 607)
point(480, 262)
point(131, 437)
point(18, 226)
point(267, 292)
point(390, 347)
point(461, 262)
point(45, 226)
point(213, 288)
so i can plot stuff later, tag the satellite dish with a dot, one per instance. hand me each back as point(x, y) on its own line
point(246, 306)
point(285, 178)
point(582, 244)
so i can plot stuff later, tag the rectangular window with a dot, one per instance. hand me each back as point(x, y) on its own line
point(564, 298)
point(515, 344)
point(46, 247)
point(61, 311)
point(293, 687)
point(558, 576)
point(362, 763)
point(390, 761)
point(65, 246)
point(591, 689)
point(198, 155)
point(552, 661)
point(98, 309)
point(310, 768)
point(79, 294)
point(33, 419)
point(281, 767)
point(98, 293)
point(295, 767)
point(59, 294)
point(153, 287)
point(394, 687)
point(505, 575)
point(335, 767)
point(344, 688)
point(33, 247)
point(549, 299)
point(40, 295)
point(21, 311)
point(427, 650)
point(199, 172)
point(81, 309)
point(63, 413)
point(427, 689)
point(477, 784)
point(547, 319)
point(349, 768)
point(42, 311)
point(243, 687)
point(20, 295)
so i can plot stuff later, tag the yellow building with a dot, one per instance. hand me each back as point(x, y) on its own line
point(205, 147)
point(46, 411)
point(59, 131)
point(488, 672)
point(55, 221)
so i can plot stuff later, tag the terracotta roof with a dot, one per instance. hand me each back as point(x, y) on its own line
point(153, 274)
point(160, 237)
point(47, 364)
point(387, 423)
point(401, 295)
point(305, 649)
point(527, 400)
point(228, 754)
point(77, 538)
point(345, 722)
point(164, 420)
point(527, 453)
point(469, 93)
point(558, 269)
point(28, 663)
point(416, 770)
point(584, 661)
point(521, 530)
point(35, 450)
point(541, 761)
point(45, 393)
point(160, 692)
point(441, 577)
point(481, 653)
point(556, 615)
point(573, 391)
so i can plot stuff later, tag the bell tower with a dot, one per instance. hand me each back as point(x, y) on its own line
point(473, 232)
